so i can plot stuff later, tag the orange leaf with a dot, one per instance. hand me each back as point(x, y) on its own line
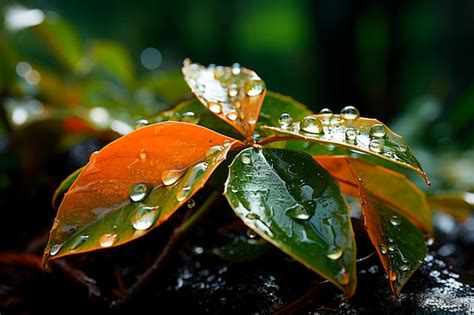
point(388, 186)
point(144, 175)
point(234, 94)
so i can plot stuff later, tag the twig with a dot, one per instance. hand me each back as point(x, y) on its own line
point(165, 254)
point(77, 276)
point(304, 300)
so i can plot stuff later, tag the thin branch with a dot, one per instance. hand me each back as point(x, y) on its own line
point(176, 236)
point(303, 301)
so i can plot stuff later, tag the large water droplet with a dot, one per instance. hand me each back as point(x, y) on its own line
point(145, 217)
point(141, 123)
point(214, 150)
point(342, 276)
point(252, 216)
point(311, 125)
point(298, 212)
point(215, 107)
point(254, 87)
point(377, 131)
point(245, 158)
point(376, 145)
point(351, 135)
point(325, 111)
point(350, 113)
point(183, 193)
point(138, 191)
point(170, 177)
point(54, 250)
point(79, 241)
point(232, 115)
point(107, 240)
point(395, 220)
point(334, 253)
point(285, 120)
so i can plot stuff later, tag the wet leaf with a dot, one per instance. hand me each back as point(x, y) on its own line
point(64, 186)
point(400, 245)
point(234, 94)
point(389, 187)
point(459, 204)
point(134, 184)
point(365, 135)
point(292, 202)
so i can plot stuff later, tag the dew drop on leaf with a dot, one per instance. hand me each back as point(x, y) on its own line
point(376, 145)
point(145, 217)
point(252, 216)
point(245, 158)
point(78, 242)
point(298, 212)
point(233, 90)
point(236, 69)
point(336, 120)
point(325, 111)
point(342, 277)
point(170, 177)
point(404, 267)
point(142, 155)
point(92, 155)
point(213, 150)
point(351, 135)
point(189, 117)
point(215, 107)
point(254, 87)
point(232, 115)
point(55, 249)
point(191, 203)
point(383, 249)
point(108, 239)
point(334, 253)
point(350, 113)
point(285, 120)
point(141, 123)
point(138, 192)
point(183, 193)
point(377, 131)
point(392, 275)
point(251, 233)
point(395, 220)
point(311, 125)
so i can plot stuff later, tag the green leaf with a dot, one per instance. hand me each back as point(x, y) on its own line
point(64, 186)
point(400, 245)
point(459, 204)
point(365, 135)
point(291, 201)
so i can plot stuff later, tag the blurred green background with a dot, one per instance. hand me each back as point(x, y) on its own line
point(72, 71)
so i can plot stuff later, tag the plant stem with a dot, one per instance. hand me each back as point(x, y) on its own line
point(178, 233)
point(275, 139)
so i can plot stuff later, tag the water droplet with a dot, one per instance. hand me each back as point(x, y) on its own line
point(254, 87)
point(145, 217)
point(376, 146)
point(245, 158)
point(215, 107)
point(377, 131)
point(336, 120)
point(107, 240)
point(219, 72)
point(392, 247)
point(79, 241)
point(298, 212)
point(142, 155)
point(325, 111)
point(184, 193)
point(429, 241)
point(334, 253)
point(189, 117)
point(233, 90)
point(170, 177)
point(402, 148)
point(383, 249)
point(236, 69)
point(404, 267)
point(312, 125)
point(351, 135)
point(350, 113)
point(392, 275)
point(395, 220)
point(252, 216)
point(93, 154)
point(251, 233)
point(138, 191)
point(232, 115)
point(54, 250)
point(342, 277)
point(285, 120)
point(191, 203)
point(141, 123)
point(213, 150)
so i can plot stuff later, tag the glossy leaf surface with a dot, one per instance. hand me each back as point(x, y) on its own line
point(234, 94)
point(400, 245)
point(389, 187)
point(292, 202)
point(361, 134)
point(133, 184)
